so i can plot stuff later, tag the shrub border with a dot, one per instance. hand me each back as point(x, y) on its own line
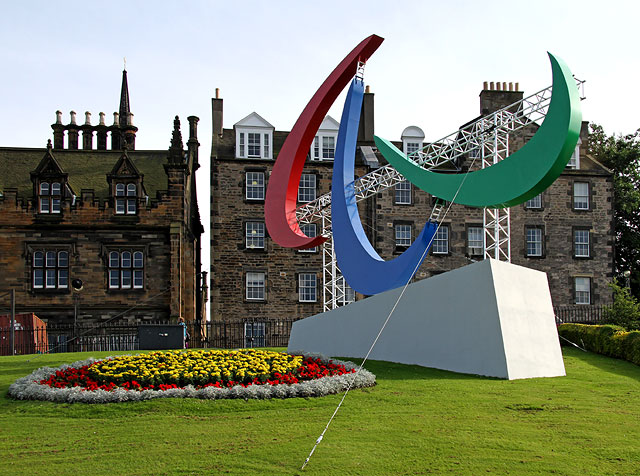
point(29, 388)
point(608, 339)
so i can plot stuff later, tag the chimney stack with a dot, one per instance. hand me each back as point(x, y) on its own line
point(366, 127)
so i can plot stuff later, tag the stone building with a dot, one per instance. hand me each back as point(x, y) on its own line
point(567, 231)
point(121, 223)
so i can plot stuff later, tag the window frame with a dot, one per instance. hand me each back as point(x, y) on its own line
point(55, 270)
point(403, 193)
point(304, 228)
point(261, 187)
point(320, 148)
point(470, 253)
point(527, 241)
point(402, 227)
point(262, 288)
point(438, 240)
point(579, 293)
point(305, 287)
point(125, 197)
point(307, 188)
point(260, 146)
point(129, 267)
point(50, 201)
point(530, 205)
point(582, 244)
point(587, 196)
point(250, 224)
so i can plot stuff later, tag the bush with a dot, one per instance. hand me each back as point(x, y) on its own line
point(609, 340)
point(625, 310)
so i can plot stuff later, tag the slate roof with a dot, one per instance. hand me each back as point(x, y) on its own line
point(87, 169)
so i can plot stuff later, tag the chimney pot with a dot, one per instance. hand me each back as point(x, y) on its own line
point(73, 117)
point(498, 86)
point(217, 93)
point(510, 86)
point(130, 119)
point(504, 86)
point(517, 86)
point(87, 118)
point(101, 118)
point(485, 85)
point(491, 86)
point(58, 117)
point(367, 89)
point(116, 119)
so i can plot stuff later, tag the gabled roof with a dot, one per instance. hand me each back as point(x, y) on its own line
point(329, 124)
point(253, 120)
point(48, 165)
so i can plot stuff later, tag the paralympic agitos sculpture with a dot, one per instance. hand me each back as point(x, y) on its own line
point(514, 180)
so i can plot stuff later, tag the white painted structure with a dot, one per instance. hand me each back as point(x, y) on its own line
point(490, 318)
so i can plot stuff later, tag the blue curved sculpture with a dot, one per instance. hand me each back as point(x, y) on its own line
point(360, 264)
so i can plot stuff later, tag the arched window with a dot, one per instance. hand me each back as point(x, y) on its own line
point(126, 269)
point(50, 269)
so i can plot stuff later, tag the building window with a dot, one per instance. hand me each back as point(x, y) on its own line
point(254, 185)
point(533, 241)
point(126, 269)
point(581, 244)
point(581, 196)
point(307, 287)
point(323, 147)
point(411, 147)
point(255, 286)
point(583, 290)
point(403, 193)
point(574, 160)
point(311, 230)
point(50, 269)
point(307, 188)
point(403, 236)
point(126, 198)
point(441, 241)
point(50, 197)
point(349, 294)
point(254, 333)
point(534, 203)
point(475, 241)
point(328, 147)
point(254, 145)
point(254, 235)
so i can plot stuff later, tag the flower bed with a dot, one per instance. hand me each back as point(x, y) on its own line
point(213, 374)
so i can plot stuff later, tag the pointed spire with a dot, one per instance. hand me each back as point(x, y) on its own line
point(125, 108)
point(176, 152)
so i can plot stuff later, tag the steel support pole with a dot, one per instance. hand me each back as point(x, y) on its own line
point(13, 322)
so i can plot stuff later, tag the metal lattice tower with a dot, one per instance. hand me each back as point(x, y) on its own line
point(486, 140)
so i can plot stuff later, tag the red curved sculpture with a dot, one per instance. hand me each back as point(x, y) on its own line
point(282, 191)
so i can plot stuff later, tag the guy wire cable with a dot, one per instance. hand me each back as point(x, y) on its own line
point(404, 288)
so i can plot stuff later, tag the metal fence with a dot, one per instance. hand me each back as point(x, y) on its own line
point(241, 333)
point(114, 337)
point(580, 314)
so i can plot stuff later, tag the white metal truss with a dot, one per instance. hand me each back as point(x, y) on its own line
point(486, 138)
point(496, 221)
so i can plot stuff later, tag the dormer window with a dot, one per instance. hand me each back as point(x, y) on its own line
point(574, 161)
point(50, 197)
point(126, 198)
point(412, 140)
point(324, 143)
point(254, 138)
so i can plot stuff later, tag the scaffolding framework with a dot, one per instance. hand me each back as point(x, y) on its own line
point(485, 140)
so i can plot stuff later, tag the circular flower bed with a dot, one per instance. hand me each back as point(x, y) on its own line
point(211, 374)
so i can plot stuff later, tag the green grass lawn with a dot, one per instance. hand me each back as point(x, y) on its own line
point(415, 421)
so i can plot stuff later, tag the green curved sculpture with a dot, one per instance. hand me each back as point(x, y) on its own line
point(522, 175)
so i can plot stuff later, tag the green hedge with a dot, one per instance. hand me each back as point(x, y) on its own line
point(609, 340)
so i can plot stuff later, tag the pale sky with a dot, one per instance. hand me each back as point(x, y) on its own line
point(270, 57)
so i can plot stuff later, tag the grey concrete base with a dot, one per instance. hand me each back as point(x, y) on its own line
point(490, 318)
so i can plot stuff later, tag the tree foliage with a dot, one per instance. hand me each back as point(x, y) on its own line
point(625, 310)
point(621, 154)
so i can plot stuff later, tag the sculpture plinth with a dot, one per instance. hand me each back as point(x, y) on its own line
point(490, 318)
